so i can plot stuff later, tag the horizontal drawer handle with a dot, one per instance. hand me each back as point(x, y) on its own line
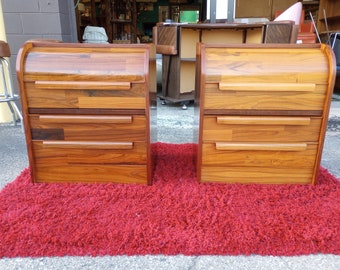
point(277, 87)
point(268, 120)
point(89, 145)
point(83, 85)
point(81, 119)
point(261, 146)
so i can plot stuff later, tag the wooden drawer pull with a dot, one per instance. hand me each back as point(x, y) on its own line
point(80, 119)
point(89, 145)
point(244, 120)
point(83, 85)
point(276, 87)
point(261, 146)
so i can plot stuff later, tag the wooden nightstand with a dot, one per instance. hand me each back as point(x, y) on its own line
point(86, 111)
point(263, 112)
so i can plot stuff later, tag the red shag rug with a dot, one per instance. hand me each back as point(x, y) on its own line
point(175, 215)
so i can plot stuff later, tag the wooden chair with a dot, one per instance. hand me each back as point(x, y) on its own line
point(6, 92)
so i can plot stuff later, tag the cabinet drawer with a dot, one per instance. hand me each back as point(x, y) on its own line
point(70, 75)
point(86, 95)
point(274, 155)
point(256, 175)
point(268, 78)
point(269, 96)
point(99, 173)
point(64, 153)
point(258, 164)
point(109, 128)
point(261, 129)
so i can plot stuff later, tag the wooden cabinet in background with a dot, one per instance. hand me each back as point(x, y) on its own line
point(93, 13)
point(253, 9)
point(117, 17)
point(260, 8)
point(281, 5)
point(332, 9)
point(124, 21)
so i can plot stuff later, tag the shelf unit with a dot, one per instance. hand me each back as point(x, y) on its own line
point(92, 13)
point(311, 6)
point(332, 9)
point(117, 17)
point(124, 21)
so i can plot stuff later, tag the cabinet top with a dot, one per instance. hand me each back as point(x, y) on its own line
point(199, 26)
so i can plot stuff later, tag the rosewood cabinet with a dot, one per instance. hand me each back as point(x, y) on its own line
point(86, 111)
point(263, 112)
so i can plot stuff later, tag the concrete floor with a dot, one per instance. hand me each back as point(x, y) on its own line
point(174, 125)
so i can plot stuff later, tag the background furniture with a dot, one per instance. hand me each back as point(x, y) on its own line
point(177, 44)
point(117, 17)
point(263, 112)
point(86, 111)
point(332, 10)
point(328, 31)
point(124, 21)
point(293, 13)
point(6, 92)
point(306, 32)
point(260, 8)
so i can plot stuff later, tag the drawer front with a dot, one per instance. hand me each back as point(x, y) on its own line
point(91, 162)
point(266, 78)
point(106, 128)
point(70, 75)
point(258, 96)
point(258, 163)
point(125, 174)
point(256, 175)
point(265, 155)
point(86, 95)
point(66, 153)
point(260, 129)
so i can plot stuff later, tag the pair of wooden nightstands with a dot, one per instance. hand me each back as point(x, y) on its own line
point(263, 111)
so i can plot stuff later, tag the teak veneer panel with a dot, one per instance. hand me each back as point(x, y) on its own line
point(270, 175)
point(98, 173)
point(263, 112)
point(84, 127)
point(261, 129)
point(264, 157)
point(66, 153)
point(86, 111)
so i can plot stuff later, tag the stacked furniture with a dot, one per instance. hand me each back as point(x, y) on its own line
point(263, 111)
point(306, 32)
point(86, 111)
